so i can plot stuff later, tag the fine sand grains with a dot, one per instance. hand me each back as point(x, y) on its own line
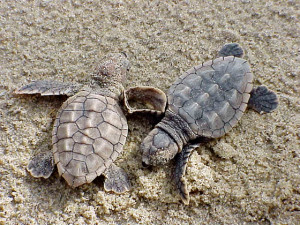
point(249, 175)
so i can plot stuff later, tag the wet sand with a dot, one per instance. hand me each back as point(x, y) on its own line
point(249, 175)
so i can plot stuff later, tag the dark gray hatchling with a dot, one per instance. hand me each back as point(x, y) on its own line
point(90, 128)
point(205, 102)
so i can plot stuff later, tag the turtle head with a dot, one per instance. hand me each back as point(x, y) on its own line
point(158, 148)
point(111, 70)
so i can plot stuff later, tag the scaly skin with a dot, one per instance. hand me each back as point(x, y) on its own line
point(206, 102)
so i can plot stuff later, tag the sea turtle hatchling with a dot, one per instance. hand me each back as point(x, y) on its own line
point(205, 102)
point(90, 128)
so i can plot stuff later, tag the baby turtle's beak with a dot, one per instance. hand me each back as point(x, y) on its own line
point(145, 149)
point(145, 163)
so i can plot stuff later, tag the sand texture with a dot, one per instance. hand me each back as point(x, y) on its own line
point(249, 176)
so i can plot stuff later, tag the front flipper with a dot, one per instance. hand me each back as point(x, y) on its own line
point(41, 165)
point(145, 99)
point(116, 180)
point(45, 87)
point(181, 163)
point(263, 100)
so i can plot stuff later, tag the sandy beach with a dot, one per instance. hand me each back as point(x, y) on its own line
point(249, 176)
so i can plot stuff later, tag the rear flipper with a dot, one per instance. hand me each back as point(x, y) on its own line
point(263, 100)
point(45, 87)
point(116, 180)
point(232, 49)
point(181, 163)
point(41, 165)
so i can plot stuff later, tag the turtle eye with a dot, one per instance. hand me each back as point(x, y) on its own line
point(124, 53)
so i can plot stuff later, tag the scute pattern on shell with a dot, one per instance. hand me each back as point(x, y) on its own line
point(89, 133)
point(212, 97)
